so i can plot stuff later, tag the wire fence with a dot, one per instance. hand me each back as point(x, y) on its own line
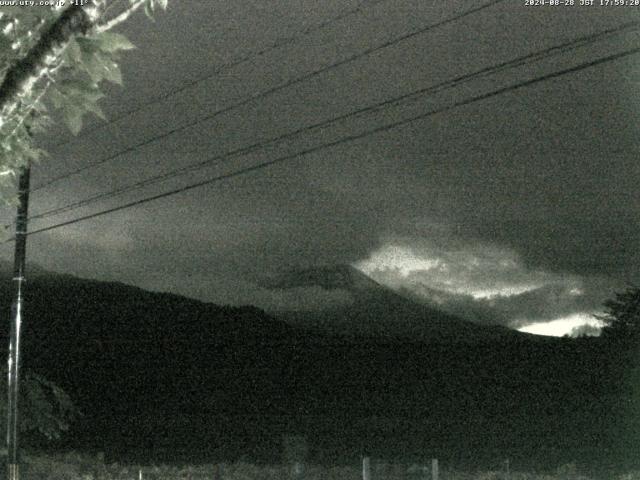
point(94, 468)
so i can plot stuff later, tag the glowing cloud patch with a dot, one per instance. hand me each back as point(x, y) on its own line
point(402, 259)
point(562, 326)
point(488, 284)
point(480, 272)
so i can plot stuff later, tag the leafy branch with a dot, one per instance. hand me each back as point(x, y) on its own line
point(55, 58)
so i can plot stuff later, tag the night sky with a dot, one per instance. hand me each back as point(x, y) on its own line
point(518, 209)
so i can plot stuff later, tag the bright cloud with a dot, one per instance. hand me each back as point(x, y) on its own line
point(563, 326)
point(480, 271)
point(488, 284)
point(400, 258)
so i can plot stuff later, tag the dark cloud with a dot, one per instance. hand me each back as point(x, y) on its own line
point(543, 179)
point(218, 250)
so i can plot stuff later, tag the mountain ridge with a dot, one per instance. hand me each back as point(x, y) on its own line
point(199, 371)
point(379, 311)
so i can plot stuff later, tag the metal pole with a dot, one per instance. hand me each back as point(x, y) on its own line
point(366, 468)
point(16, 319)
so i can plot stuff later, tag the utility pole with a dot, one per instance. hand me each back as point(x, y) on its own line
point(16, 319)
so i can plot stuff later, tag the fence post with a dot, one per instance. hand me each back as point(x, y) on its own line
point(295, 454)
point(434, 469)
point(366, 468)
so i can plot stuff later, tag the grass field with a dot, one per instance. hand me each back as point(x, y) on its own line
point(75, 466)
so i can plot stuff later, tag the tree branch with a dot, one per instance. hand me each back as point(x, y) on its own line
point(25, 73)
point(120, 18)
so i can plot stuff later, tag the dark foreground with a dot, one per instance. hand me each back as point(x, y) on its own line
point(73, 465)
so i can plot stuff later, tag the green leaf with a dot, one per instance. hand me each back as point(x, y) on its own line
point(40, 123)
point(46, 409)
point(73, 53)
point(80, 90)
point(100, 65)
point(95, 108)
point(72, 116)
point(148, 10)
point(57, 98)
point(95, 68)
point(34, 154)
point(88, 45)
point(85, 62)
point(113, 42)
point(77, 97)
point(112, 73)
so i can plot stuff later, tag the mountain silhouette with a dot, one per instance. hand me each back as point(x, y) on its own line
point(159, 376)
point(376, 311)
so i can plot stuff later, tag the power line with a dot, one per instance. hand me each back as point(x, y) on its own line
point(230, 65)
point(342, 140)
point(523, 60)
point(268, 92)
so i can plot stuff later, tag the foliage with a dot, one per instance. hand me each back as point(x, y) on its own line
point(71, 83)
point(46, 411)
point(622, 317)
point(621, 337)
